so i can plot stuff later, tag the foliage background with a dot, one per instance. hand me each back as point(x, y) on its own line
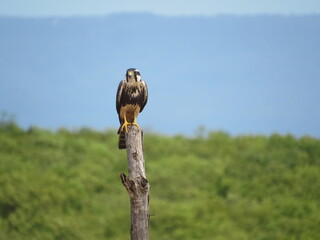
point(65, 185)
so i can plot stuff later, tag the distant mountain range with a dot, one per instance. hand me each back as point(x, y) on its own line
point(241, 74)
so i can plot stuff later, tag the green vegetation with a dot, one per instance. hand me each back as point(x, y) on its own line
point(65, 185)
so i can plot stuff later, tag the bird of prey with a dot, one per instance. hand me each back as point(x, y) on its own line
point(132, 96)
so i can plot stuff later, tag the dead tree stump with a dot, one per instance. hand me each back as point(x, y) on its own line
point(137, 185)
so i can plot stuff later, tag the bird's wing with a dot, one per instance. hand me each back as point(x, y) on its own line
point(145, 95)
point(118, 97)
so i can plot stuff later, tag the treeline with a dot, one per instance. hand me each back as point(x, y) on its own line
point(65, 185)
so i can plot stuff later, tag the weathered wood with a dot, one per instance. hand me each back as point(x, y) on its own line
point(137, 185)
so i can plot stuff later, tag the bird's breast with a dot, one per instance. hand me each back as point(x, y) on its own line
point(132, 95)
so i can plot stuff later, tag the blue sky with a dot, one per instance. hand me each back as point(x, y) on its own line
point(36, 8)
point(261, 71)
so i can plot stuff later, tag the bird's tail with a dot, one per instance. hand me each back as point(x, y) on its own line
point(122, 140)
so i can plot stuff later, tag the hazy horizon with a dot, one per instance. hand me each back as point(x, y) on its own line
point(164, 7)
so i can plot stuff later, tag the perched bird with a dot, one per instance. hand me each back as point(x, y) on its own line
point(132, 96)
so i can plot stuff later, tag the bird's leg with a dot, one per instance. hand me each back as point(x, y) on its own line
point(125, 124)
point(135, 122)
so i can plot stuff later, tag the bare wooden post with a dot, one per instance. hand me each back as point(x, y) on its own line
point(137, 185)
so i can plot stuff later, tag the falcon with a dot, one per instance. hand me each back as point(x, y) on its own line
point(132, 96)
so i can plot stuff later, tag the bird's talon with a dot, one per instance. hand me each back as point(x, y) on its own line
point(135, 123)
point(124, 126)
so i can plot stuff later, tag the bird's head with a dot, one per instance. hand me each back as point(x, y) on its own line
point(133, 75)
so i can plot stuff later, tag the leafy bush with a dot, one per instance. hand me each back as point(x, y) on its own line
point(66, 185)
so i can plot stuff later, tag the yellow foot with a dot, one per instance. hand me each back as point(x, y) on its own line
point(124, 126)
point(135, 123)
